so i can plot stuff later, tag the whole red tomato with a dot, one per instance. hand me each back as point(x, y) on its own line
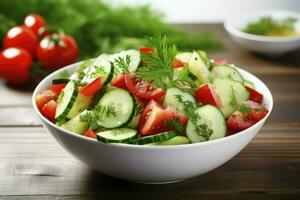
point(57, 50)
point(34, 22)
point(23, 37)
point(14, 65)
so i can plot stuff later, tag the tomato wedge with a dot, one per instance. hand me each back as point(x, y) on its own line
point(154, 119)
point(49, 110)
point(92, 88)
point(207, 95)
point(119, 81)
point(220, 61)
point(57, 88)
point(142, 89)
point(44, 97)
point(177, 63)
point(146, 50)
point(257, 111)
point(254, 95)
point(90, 133)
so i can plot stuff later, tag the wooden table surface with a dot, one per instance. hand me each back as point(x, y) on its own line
point(34, 166)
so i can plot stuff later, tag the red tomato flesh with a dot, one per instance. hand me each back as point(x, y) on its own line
point(90, 133)
point(119, 82)
point(147, 111)
point(207, 95)
point(146, 50)
point(177, 63)
point(142, 89)
point(92, 88)
point(254, 95)
point(49, 110)
point(57, 88)
point(44, 97)
point(219, 61)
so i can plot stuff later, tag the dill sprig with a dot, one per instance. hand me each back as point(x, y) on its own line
point(94, 116)
point(244, 108)
point(201, 128)
point(233, 102)
point(158, 65)
point(122, 64)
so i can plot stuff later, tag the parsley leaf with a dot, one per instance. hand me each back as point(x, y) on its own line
point(122, 64)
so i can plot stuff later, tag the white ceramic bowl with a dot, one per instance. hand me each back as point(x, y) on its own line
point(262, 44)
point(152, 164)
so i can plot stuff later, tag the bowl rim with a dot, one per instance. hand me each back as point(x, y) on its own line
point(276, 39)
point(132, 146)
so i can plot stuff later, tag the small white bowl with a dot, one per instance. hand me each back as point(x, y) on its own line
point(152, 164)
point(270, 45)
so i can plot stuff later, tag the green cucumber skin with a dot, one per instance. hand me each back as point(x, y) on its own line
point(82, 102)
point(111, 140)
point(60, 81)
point(111, 75)
point(160, 137)
point(177, 140)
point(64, 114)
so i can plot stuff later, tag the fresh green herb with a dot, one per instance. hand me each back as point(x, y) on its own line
point(176, 124)
point(99, 71)
point(82, 67)
point(272, 27)
point(244, 108)
point(139, 109)
point(64, 74)
point(201, 128)
point(233, 102)
point(158, 68)
point(122, 64)
point(185, 78)
point(94, 116)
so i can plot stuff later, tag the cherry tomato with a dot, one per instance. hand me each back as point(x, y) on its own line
point(119, 81)
point(207, 95)
point(44, 97)
point(23, 37)
point(57, 88)
point(92, 88)
point(90, 133)
point(49, 110)
point(14, 65)
point(147, 111)
point(220, 61)
point(34, 22)
point(57, 50)
point(254, 95)
point(156, 120)
point(146, 50)
point(142, 89)
point(177, 63)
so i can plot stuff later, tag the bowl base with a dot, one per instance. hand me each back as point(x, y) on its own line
point(160, 183)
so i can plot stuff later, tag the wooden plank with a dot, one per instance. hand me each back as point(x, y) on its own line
point(32, 162)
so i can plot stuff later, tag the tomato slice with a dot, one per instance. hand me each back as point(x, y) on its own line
point(238, 122)
point(44, 97)
point(207, 95)
point(92, 88)
point(220, 61)
point(90, 133)
point(146, 50)
point(119, 81)
point(177, 63)
point(254, 95)
point(49, 110)
point(142, 89)
point(156, 120)
point(257, 111)
point(147, 111)
point(57, 88)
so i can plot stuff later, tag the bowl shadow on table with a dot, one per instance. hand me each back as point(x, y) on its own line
point(292, 59)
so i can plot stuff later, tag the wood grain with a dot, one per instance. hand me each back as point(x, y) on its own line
point(34, 166)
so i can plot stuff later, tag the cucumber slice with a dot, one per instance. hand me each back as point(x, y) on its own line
point(249, 84)
point(198, 68)
point(60, 80)
point(124, 105)
point(226, 71)
point(160, 137)
point(172, 100)
point(177, 140)
point(81, 103)
point(232, 94)
point(121, 135)
point(213, 118)
point(76, 125)
point(137, 115)
point(66, 100)
point(135, 59)
point(101, 68)
point(184, 57)
point(205, 59)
